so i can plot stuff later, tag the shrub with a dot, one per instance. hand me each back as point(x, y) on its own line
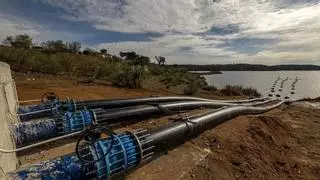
point(173, 77)
point(128, 76)
point(24, 60)
point(191, 88)
point(230, 90)
point(210, 88)
point(249, 91)
point(202, 81)
point(156, 69)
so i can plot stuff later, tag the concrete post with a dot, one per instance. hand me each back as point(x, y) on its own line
point(8, 102)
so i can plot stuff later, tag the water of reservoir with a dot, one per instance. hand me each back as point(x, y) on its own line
point(308, 84)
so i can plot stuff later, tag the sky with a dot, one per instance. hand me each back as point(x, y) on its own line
point(184, 31)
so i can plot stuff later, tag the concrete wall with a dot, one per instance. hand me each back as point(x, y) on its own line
point(8, 101)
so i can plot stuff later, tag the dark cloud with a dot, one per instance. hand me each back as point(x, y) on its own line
point(225, 30)
point(248, 45)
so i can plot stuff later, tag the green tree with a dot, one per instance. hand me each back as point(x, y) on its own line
point(8, 41)
point(141, 60)
point(161, 60)
point(103, 51)
point(89, 51)
point(75, 47)
point(23, 41)
point(129, 55)
point(19, 41)
point(60, 46)
point(134, 58)
point(48, 46)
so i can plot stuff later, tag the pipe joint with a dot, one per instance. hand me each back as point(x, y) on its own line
point(78, 120)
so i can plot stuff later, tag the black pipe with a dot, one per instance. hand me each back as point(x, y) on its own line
point(116, 103)
point(182, 130)
point(114, 116)
point(35, 115)
point(71, 105)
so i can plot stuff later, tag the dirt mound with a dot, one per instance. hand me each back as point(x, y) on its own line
point(258, 148)
point(269, 130)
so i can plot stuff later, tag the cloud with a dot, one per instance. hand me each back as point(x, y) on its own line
point(225, 31)
point(137, 16)
point(285, 29)
point(197, 48)
point(13, 26)
point(187, 16)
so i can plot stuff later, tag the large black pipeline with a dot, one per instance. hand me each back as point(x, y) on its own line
point(182, 130)
point(44, 110)
point(114, 116)
point(131, 148)
point(107, 103)
point(32, 131)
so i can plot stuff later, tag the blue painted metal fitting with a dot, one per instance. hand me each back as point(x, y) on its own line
point(76, 121)
point(38, 107)
point(31, 108)
point(33, 131)
point(67, 167)
point(125, 154)
point(37, 111)
point(88, 116)
point(69, 105)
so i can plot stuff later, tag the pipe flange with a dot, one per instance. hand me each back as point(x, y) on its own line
point(146, 150)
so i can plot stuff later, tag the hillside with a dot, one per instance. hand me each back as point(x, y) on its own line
point(128, 71)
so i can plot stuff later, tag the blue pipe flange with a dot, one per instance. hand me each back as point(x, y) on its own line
point(145, 149)
point(78, 120)
point(123, 155)
point(89, 117)
point(70, 105)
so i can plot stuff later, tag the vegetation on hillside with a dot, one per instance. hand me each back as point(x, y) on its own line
point(129, 69)
point(229, 90)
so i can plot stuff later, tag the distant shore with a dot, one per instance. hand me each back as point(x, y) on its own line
point(248, 67)
point(206, 72)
